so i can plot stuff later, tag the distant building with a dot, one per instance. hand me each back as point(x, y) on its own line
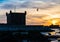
point(54, 26)
point(14, 18)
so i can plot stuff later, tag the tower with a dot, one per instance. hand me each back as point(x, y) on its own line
point(14, 18)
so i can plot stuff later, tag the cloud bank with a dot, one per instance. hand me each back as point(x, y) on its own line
point(9, 4)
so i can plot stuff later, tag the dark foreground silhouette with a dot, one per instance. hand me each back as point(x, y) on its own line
point(20, 37)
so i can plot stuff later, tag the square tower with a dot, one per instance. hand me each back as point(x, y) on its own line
point(14, 18)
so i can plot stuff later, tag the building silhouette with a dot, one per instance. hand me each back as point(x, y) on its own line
point(14, 18)
point(13, 31)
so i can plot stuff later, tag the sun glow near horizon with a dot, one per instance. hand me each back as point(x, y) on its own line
point(54, 21)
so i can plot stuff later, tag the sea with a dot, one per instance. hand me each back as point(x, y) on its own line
point(52, 40)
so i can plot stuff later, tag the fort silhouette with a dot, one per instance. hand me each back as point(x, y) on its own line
point(16, 18)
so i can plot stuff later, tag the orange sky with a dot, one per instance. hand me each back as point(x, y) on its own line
point(43, 16)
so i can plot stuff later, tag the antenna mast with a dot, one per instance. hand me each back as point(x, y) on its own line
point(37, 9)
point(15, 8)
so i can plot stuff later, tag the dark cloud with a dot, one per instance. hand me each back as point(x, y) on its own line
point(8, 6)
point(43, 4)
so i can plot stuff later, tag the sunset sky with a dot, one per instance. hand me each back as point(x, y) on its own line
point(48, 10)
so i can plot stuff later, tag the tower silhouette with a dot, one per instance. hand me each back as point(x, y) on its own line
point(14, 18)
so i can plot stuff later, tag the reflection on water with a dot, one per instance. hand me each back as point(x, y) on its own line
point(54, 41)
